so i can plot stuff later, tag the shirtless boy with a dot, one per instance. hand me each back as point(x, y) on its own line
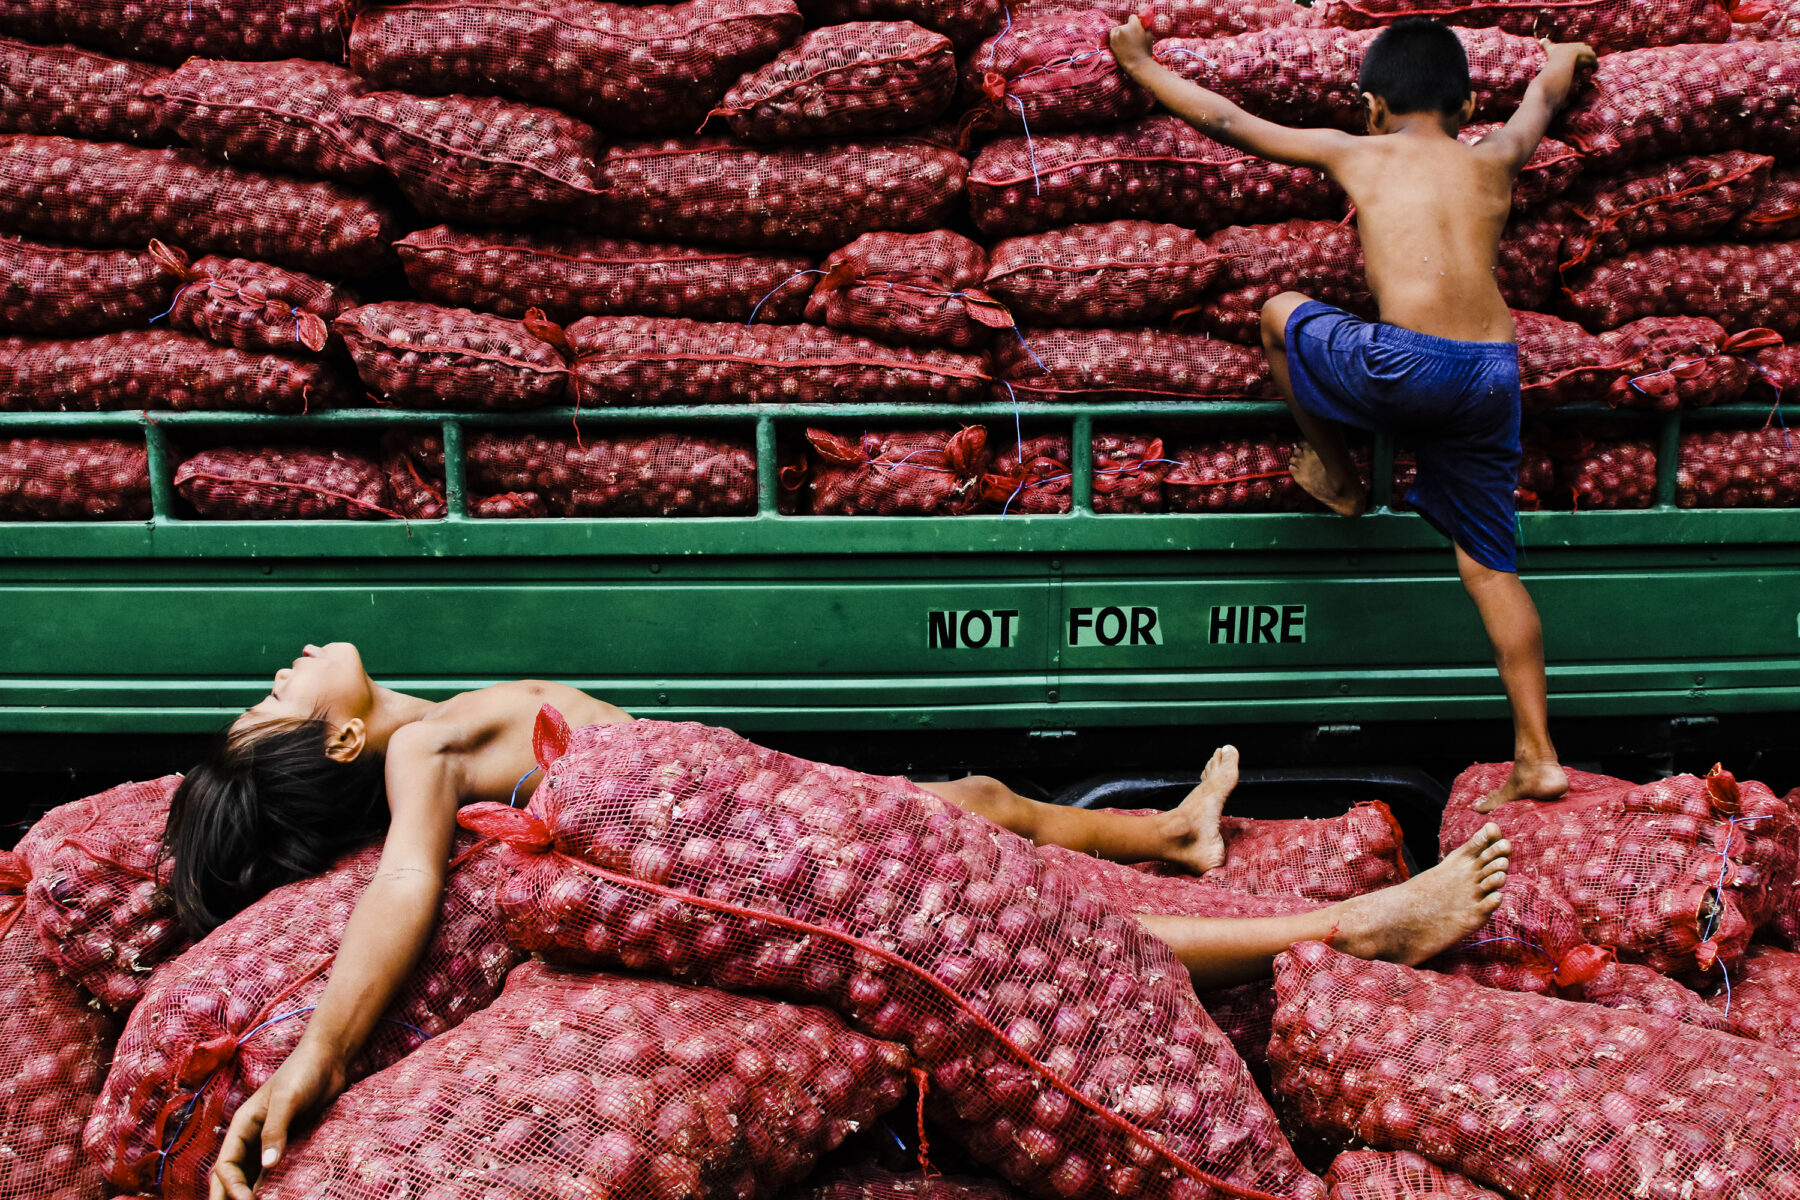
point(1442, 364)
point(330, 759)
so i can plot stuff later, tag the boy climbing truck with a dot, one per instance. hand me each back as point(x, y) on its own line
point(330, 759)
point(1441, 366)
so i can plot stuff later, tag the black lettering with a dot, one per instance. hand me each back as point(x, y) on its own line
point(1293, 622)
point(1222, 617)
point(1143, 627)
point(1243, 631)
point(1007, 616)
point(1265, 624)
point(1118, 635)
point(942, 634)
point(1079, 619)
point(987, 629)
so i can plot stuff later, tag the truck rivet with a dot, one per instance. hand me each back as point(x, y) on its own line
point(655, 568)
point(662, 697)
point(1051, 694)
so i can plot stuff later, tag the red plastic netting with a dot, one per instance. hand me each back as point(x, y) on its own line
point(1529, 251)
point(905, 473)
point(1322, 258)
point(1681, 199)
point(1777, 21)
point(47, 288)
point(669, 360)
point(1742, 287)
point(1763, 1001)
point(1049, 72)
point(216, 1023)
point(1119, 273)
point(259, 30)
point(76, 93)
point(1739, 468)
point(1552, 169)
point(414, 481)
point(1606, 25)
point(1682, 362)
point(689, 851)
point(254, 306)
point(54, 1047)
point(1127, 364)
point(867, 1182)
point(1674, 874)
point(1308, 76)
point(860, 78)
point(1035, 475)
point(574, 275)
point(1644, 104)
point(910, 289)
point(626, 67)
point(510, 506)
point(1562, 363)
point(161, 368)
point(109, 193)
point(285, 483)
point(583, 1084)
point(421, 356)
point(73, 479)
point(1776, 214)
point(1778, 370)
point(1128, 889)
point(1128, 473)
point(1606, 472)
point(1538, 1097)
point(1210, 19)
point(478, 159)
point(1234, 474)
point(964, 22)
point(1633, 987)
point(96, 891)
point(1158, 169)
point(294, 115)
point(816, 196)
point(1375, 1175)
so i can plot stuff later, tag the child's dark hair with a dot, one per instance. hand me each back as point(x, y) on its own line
point(266, 807)
point(1417, 65)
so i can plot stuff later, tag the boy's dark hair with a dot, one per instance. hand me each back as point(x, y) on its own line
point(266, 807)
point(1417, 65)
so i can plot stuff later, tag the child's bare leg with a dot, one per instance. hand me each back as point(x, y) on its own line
point(1407, 923)
point(1323, 467)
point(1187, 836)
point(1512, 626)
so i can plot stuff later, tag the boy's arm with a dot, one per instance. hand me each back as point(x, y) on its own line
point(1217, 117)
point(1518, 139)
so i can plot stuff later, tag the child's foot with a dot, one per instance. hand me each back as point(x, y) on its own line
point(1193, 826)
point(1531, 779)
point(1432, 911)
point(1308, 470)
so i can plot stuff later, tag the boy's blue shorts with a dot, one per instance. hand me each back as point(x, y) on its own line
point(1457, 402)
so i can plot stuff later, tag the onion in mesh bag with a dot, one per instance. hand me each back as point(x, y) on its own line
point(1562, 363)
point(1234, 474)
point(285, 483)
point(77, 93)
point(1376, 1175)
point(1743, 287)
point(864, 77)
point(73, 479)
point(161, 368)
point(295, 115)
point(241, 29)
point(1682, 362)
point(964, 22)
point(1119, 273)
point(423, 356)
point(1322, 258)
point(1606, 25)
point(906, 473)
point(1738, 468)
point(1124, 364)
point(1681, 199)
point(50, 288)
point(910, 289)
point(253, 305)
point(1775, 216)
point(1049, 72)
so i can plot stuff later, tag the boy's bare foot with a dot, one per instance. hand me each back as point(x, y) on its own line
point(1531, 779)
point(1193, 826)
point(1432, 911)
point(1308, 470)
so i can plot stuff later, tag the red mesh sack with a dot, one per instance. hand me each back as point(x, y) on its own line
point(1529, 1095)
point(1049, 72)
point(216, 1023)
point(817, 196)
point(1326, 860)
point(283, 484)
point(1774, 21)
point(1562, 363)
point(1375, 1175)
point(1682, 362)
point(76, 93)
point(635, 68)
point(574, 275)
point(1778, 370)
point(103, 192)
point(510, 506)
point(1119, 273)
point(1682, 199)
point(1529, 251)
point(909, 288)
point(252, 305)
point(1674, 874)
point(294, 115)
point(1657, 103)
point(1607, 473)
point(864, 77)
point(1763, 1000)
point(416, 486)
point(1738, 468)
point(579, 1084)
point(1308, 76)
point(422, 356)
point(1158, 169)
point(689, 851)
point(96, 890)
point(1128, 473)
point(909, 473)
point(1776, 214)
point(258, 30)
point(1606, 25)
point(864, 1182)
point(1551, 170)
point(1035, 476)
point(1322, 258)
point(668, 360)
point(1633, 987)
point(73, 479)
point(964, 22)
point(48, 288)
point(1126, 888)
point(157, 369)
point(1210, 19)
point(478, 159)
point(1742, 287)
point(1234, 474)
point(1127, 364)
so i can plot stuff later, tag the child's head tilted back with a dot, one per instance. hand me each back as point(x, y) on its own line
point(1416, 66)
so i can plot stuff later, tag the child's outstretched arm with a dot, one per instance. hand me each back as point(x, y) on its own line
point(1518, 139)
point(1217, 117)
